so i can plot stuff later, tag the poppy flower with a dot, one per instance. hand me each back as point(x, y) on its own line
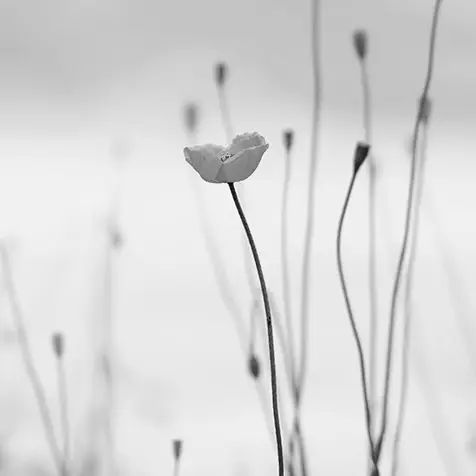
point(235, 163)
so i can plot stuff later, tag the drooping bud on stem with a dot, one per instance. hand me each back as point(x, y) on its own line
point(288, 139)
point(220, 73)
point(58, 344)
point(191, 117)
point(177, 449)
point(425, 109)
point(254, 367)
point(360, 43)
point(362, 150)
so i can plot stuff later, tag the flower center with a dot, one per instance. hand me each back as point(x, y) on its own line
point(225, 157)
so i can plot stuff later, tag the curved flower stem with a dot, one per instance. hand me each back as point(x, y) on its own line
point(28, 362)
point(353, 324)
point(408, 218)
point(272, 358)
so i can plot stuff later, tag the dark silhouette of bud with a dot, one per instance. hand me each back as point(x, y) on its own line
point(362, 150)
point(177, 449)
point(288, 138)
point(58, 344)
point(360, 43)
point(191, 117)
point(220, 73)
point(425, 109)
point(254, 366)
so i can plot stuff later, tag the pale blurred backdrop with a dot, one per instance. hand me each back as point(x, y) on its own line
point(80, 78)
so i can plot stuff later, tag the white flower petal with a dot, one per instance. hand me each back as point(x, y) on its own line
point(204, 159)
point(245, 141)
point(242, 165)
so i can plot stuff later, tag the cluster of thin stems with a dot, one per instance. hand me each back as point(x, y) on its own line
point(60, 458)
point(368, 387)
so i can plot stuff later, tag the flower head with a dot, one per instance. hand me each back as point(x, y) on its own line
point(360, 43)
point(235, 163)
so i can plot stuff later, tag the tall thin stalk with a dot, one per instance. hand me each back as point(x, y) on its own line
point(290, 358)
point(28, 361)
point(311, 188)
point(408, 217)
point(439, 432)
point(420, 179)
point(355, 332)
point(360, 41)
point(58, 350)
point(269, 324)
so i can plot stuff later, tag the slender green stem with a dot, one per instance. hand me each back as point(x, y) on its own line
point(353, 325)
point(28, 362)
point(408, 217)
point(269, 323)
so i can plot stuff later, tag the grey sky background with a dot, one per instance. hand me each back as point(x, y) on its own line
point(75, 76)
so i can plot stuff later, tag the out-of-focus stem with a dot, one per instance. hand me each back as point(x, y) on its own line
point(420, 179)
point(311, 188)
point(28, 361)
point(408, 217)
point(63, 398)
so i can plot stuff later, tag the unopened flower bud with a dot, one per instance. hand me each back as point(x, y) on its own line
point(288, 138)
point(177, 448)
point(425, 109)
point(360, 43)
point(362, 150)
point(254, 366)
point(220, 73)
point(191, 117)
point(58, 344)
